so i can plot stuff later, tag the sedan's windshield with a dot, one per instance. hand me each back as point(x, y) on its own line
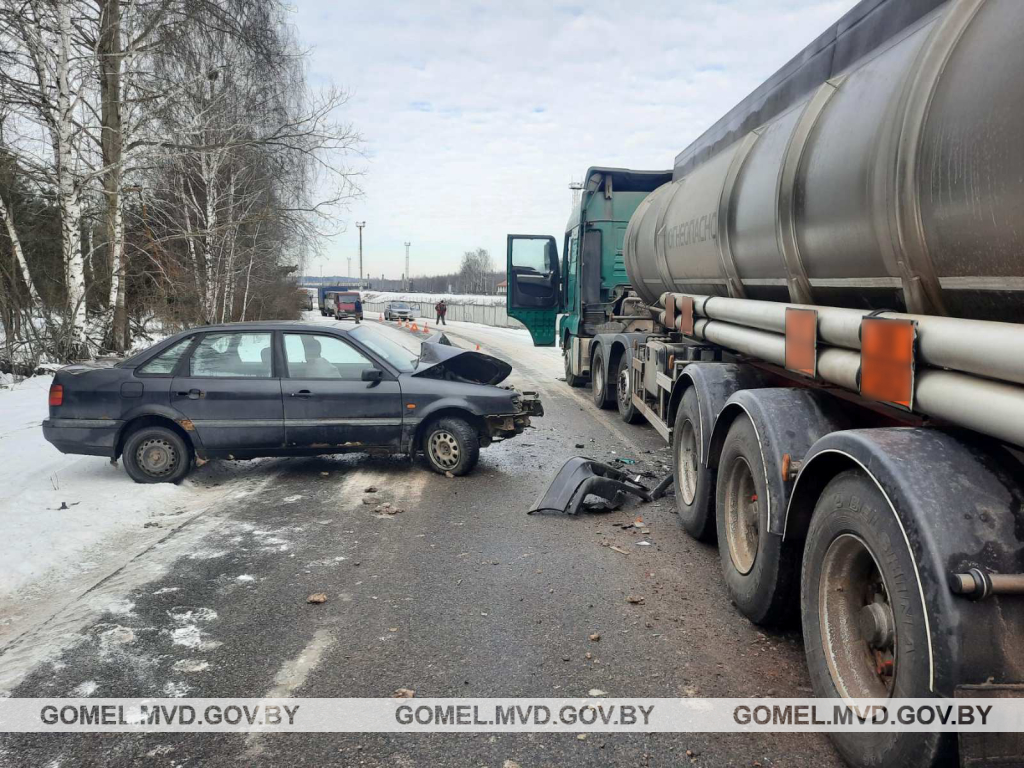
point(400, 357)
point(399, 305)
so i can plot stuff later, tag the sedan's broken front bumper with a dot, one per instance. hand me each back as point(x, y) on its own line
point(504, 426)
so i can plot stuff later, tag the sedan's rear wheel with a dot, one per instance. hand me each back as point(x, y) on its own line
point(451, 445)
point(156, 455)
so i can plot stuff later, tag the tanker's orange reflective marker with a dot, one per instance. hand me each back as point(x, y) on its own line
point(887, 360)
point(802, 341)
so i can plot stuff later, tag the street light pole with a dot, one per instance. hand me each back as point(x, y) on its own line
point(360, 225)
point(405, 287)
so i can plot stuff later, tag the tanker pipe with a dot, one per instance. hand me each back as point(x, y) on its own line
point(980, 347)
point(989, 407)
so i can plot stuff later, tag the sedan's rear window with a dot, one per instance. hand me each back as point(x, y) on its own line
point(233, 355)
point(163, 364)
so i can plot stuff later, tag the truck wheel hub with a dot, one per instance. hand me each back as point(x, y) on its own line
point(858, 631)
point(688, 462)
point(742, 531)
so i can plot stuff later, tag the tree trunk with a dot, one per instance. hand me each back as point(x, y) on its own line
point(111, 141)
point(68, 192)
point(19, 254)
point(229, 267)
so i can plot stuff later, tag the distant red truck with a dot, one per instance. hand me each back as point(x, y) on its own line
point(345, 306)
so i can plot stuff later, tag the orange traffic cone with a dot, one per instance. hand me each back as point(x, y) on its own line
point(477, 347)
point(382, 317)
point(426, 326)
point(415, 329)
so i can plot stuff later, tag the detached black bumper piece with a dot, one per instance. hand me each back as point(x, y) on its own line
point(580, 477)
point(88, 437)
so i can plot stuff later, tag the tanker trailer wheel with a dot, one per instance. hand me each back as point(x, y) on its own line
point(599, 380)
point(571, 379)
point(624, 391)
point(864, 633)
point(694, 481)
point(761, 574)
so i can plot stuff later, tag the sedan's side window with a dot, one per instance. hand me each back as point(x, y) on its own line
point(312, 356)
point(233, 355)
point(164, 363)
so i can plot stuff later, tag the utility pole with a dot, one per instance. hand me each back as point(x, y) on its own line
point(405, 282)
point(348, 273)
point(360, 225)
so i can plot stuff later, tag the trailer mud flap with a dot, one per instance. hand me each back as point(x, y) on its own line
point(978, 749)
point(581, 477)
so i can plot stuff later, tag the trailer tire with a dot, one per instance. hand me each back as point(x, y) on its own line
point(624, 391)
point(855, 542)
point(599, 380)
point(694, 480)
point(760, 571)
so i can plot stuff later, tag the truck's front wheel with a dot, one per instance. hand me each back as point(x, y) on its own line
point(863, 619)
point(570, 378)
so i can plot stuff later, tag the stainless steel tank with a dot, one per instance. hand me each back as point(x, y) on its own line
point(898, 183)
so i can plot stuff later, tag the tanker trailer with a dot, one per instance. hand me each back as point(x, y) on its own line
point(836, 279)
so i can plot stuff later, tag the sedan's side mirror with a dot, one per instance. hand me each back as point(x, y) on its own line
point(372, 374)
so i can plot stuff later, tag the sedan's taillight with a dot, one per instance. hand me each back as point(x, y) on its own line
point(56, 394)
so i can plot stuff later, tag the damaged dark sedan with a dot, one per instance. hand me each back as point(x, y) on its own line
point(245, 390)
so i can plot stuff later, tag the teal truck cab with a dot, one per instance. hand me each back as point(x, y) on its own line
point(583, 302)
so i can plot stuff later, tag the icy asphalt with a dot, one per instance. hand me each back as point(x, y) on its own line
point(460, 594)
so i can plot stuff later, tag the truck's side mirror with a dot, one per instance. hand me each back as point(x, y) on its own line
point(373, 374)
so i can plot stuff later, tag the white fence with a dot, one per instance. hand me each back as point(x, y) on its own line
point(485, 314)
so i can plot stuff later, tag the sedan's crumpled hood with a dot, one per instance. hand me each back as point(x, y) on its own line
point(466, 364)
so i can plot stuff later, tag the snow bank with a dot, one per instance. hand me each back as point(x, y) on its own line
point(102, 505)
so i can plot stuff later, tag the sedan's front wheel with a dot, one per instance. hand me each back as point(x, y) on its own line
point(451, 445)
point(156, 455)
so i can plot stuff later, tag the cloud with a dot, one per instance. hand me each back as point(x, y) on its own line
point(478, 115)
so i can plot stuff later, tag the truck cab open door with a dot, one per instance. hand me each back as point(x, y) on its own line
point(534, 285)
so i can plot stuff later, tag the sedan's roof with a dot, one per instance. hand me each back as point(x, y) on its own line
point(270, 325)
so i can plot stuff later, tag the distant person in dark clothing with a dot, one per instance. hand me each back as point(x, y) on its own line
point(442, 309)
point(359, 309)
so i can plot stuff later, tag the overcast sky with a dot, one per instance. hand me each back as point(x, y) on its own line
point(476, 116)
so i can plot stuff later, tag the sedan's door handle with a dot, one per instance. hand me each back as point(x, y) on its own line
point(192, 394)
point(302, 393)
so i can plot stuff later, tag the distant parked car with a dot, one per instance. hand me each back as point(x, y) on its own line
point(398, 310)
point(252, 389)
point(345, 306)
